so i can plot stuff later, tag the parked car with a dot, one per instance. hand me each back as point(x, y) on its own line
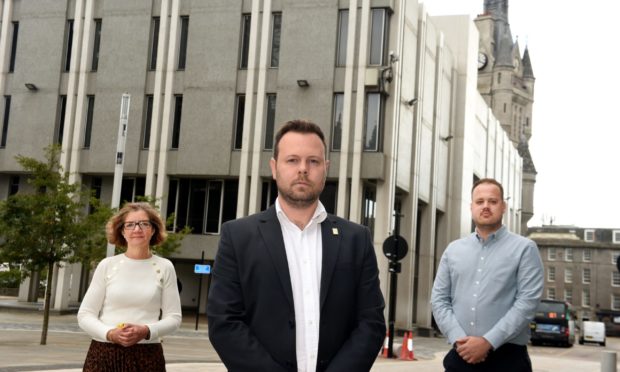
point(553, 324)
point(593, 332)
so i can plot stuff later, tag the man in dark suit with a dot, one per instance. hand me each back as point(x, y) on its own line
point(293, 288)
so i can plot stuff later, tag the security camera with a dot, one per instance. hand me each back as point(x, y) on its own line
point(393, 57)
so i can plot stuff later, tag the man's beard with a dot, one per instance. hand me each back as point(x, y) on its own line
point(299, 200)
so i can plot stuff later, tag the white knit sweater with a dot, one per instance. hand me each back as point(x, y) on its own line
point(125, 290)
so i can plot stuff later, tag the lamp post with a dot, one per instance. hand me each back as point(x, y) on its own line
point(120, 159)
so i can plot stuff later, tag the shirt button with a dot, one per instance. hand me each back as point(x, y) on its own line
point(482, 258)
point(473, 309)
point(479, 270)
point(471, 323)
point(477, 283)
point(475, 295)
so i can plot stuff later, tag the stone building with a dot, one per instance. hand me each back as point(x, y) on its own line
point(395, 91)
point(581, 268)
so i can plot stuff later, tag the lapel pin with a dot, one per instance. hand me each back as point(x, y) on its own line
point(334, 231)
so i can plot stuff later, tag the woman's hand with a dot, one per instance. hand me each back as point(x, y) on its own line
point(127, 334)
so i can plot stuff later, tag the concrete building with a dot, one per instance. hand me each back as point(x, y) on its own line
point(395, 91)
point(581, 268)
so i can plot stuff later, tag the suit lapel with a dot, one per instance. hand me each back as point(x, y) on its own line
point(272, 235)
point(330, 234)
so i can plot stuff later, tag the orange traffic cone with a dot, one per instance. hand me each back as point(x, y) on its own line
point(384, 351)
point(406, 352)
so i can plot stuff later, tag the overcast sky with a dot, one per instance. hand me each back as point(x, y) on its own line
point(575, 142)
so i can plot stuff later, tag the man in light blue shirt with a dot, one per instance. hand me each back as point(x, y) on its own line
point(486, 291)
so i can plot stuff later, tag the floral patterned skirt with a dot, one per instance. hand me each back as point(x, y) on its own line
point(108, 357)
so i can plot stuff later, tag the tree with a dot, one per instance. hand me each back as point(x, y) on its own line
point(48, 225)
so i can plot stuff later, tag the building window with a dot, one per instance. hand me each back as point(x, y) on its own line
point(154, 43)
point(271, 121)
point(337, 122)
point(202, 204)
point(615, 301)
point(586, 276)
point(131, 188)
point(551, 293)
point(96, 184)
point(88, 130)
point(13, 47)
point(615, 279)
point(499, 80)
point(245, 41)
point(96, 45)
point(369, 205)
point(614, 257)
point(568, 275)
point(176, 126)
point(585, 298)
point(183, 43)
point(148, 118)
point(568, 254)
point(269, 193)
point(378, 36)
point(14, 185)
point(373, 122)
point(568, 295)
point(5, 121)
point(60, 121)
point(276, 30)
point(343, 32)
point(588, 235)
point(616, 236)
point(68, 45)
point(239, 117)
point(551, 274)
point(551, 254)
point(587, 255)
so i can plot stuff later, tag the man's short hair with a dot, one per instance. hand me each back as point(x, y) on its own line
point(489, 181)
point(298, 126)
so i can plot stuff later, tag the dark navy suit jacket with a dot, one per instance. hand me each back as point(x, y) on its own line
point(250, 306)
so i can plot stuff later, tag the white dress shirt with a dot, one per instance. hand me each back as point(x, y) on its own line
point(304, 253)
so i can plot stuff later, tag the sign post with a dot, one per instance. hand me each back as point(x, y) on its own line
point(200, 269)
point(395, 249)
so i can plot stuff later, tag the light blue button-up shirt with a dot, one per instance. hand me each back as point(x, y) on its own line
point(488, 288)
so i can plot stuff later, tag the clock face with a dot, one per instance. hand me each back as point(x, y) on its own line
point(482, 60)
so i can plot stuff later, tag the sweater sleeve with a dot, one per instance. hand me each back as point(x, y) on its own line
point(88, 315)
point(170, 304)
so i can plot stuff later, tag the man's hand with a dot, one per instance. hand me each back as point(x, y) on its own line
point(473, 349)
point(128, 334)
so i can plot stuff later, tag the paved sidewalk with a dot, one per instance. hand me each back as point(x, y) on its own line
point(187, 350)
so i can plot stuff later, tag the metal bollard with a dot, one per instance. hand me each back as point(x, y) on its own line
point(608, 361)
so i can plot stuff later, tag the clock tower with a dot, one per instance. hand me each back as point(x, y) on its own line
point(506, 82)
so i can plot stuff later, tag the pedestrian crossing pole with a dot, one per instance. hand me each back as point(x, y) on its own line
point(120, 159)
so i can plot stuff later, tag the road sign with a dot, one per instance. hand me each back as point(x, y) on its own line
point(202, 269)
point(395, 247)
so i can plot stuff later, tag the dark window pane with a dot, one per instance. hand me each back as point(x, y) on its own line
point(89, 121)
point(239, 117)
point(183, 42)
point(275, 39)
point(337, 122)
point(372, 131)
point(214, 207)
point(140, 187)
point(271, 121)
point(13, 47)
point(5, 121)
point(62, 108)
point(196, 208)
point(245, 41)
point(14, 185)
point(68, 45)
point(269, 194)
point(176, 129)
point(377, 36)
point(127, 190)
point(96, 43)
point(328, 196)
point(343, 32)
point(171, 206)
point(154, 43)
point(229, 209)
point(148, 117)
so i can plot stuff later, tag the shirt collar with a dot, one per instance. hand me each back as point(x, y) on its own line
point(498, 234)
point(320, 214)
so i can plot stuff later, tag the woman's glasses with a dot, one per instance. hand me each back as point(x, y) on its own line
point(143, 225)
